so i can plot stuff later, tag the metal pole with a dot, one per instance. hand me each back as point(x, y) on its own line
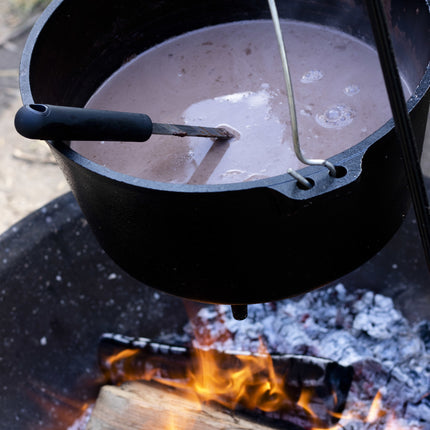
point(402, 122)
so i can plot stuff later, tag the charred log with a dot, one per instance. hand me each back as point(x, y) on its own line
point(123, 358)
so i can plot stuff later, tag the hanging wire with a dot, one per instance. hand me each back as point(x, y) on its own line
point(291, 103)
point(300, 178)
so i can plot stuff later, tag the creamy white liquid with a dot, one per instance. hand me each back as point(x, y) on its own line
point(231, 74)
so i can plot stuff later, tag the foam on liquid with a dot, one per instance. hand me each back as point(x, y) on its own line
point(231, 74)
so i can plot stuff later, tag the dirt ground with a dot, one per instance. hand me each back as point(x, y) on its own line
point(29, 177)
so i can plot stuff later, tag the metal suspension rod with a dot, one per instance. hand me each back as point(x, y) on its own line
point(402, 122)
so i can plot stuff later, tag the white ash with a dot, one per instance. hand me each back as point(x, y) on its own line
point(359, 328)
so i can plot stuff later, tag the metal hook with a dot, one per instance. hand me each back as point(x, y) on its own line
point(290, 94)
point(300, 179)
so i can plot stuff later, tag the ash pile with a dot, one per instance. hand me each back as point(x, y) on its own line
point(389, 355)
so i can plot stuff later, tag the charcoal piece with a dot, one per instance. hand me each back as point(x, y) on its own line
point(420, 412)
point(371, 376)
point(424, 333)
point(123, 358)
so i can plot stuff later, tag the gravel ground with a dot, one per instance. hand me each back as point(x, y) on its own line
point(29, 177)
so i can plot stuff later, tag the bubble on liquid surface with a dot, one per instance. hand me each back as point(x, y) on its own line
point(351, 90)
point(337, 116)
point(312, 76)
point(306, 111)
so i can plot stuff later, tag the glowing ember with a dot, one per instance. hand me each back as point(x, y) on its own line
point(376, 410)
point(64, 411)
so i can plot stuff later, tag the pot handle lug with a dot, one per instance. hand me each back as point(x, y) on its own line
point(321, 181)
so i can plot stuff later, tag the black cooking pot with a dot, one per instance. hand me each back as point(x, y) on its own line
point(235, 243)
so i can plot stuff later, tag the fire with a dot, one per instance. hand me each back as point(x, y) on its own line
point(124, 354)
point(304, 402)
point(376, 410)
point(234, 380)
point(377, 416)
point(240, 380)
point(246, 380)
point(251, 381)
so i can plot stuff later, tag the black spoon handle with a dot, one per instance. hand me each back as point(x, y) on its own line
point(48, 122)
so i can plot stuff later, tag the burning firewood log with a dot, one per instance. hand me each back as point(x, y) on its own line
point(304, 391)
point(138, 406)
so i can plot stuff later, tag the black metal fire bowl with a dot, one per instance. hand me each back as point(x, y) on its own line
point(60, 291)
point(235, 243)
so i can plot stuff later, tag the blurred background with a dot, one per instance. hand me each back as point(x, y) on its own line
point(29, 177)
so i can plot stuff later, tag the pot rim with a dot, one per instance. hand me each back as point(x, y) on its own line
point(422, 89)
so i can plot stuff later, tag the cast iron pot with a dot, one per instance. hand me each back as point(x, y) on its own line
point(235, 243)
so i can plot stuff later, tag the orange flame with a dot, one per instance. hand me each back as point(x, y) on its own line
point(125, 353)
point(231, 380)
point(252, 382)
point(304, 402)
point(375, 411)
point(377, 415)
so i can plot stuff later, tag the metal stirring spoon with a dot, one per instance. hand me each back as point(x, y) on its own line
point(49, 122)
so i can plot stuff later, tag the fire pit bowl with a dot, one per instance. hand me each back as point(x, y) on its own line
point(60, 291)
point(235, 243)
